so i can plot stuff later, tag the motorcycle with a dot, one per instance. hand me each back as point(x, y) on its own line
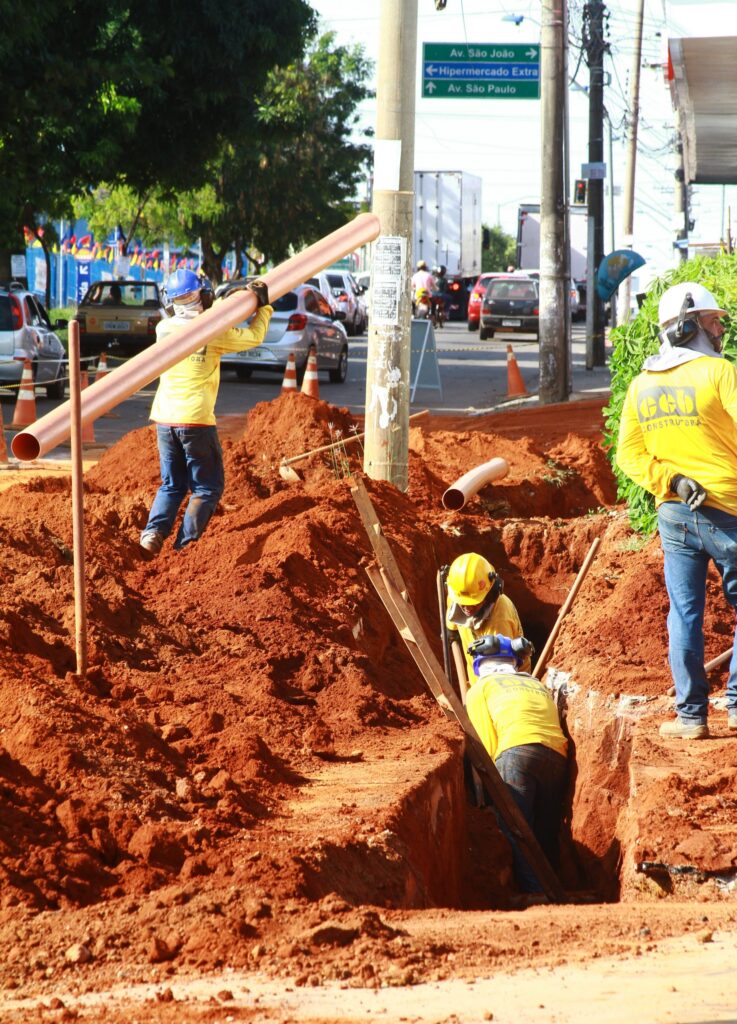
point(430, 306)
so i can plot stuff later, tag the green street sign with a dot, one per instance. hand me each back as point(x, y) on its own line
point(516, 53)
point(481, 90)
point(483, 71)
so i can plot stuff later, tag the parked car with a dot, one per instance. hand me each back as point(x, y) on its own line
point(301, 318)
point(342, 291)
point(26, 332)
point(511, 304)
point(119, 315)
point(476, 297)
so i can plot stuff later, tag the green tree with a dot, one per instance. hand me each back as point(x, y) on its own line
point(295, 179)
point(140, 94)
point(283, 183)
point(501, 251)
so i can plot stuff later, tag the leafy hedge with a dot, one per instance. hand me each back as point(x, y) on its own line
point(635, 341)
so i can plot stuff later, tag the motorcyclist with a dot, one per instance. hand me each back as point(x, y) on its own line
point(422, 280)
point(440, 291)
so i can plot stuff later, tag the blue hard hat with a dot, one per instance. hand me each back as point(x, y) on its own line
point(182, 282)
point(504, 650)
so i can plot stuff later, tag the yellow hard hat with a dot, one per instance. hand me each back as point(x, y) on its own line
point(470, 578)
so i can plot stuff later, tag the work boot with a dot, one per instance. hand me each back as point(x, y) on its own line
point(152, 542)
point(732, 719)
point(680, 730)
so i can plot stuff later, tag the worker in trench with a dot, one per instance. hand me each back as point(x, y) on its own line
point(517, 721)
point(678, 440)
point(476, 605)
point(183, 410)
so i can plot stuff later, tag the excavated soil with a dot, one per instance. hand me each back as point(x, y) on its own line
point(253, 776)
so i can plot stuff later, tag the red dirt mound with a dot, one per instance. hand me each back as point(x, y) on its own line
point(228, 678)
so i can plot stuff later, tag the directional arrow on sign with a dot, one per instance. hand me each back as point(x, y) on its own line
point(430, 87)
point(431, 69)
point(531, 53)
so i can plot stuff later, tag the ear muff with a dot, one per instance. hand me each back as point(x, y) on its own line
point(497, 586)
point(683, 330)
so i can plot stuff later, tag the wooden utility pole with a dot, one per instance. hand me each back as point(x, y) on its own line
point(386, 449)
point(554, 318)
point(629, 174)
point(595, 49)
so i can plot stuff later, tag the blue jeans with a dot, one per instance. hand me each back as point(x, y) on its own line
point(536, 777)
point(690, 541)
point(191, 460)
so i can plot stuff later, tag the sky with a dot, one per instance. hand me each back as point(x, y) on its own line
point(499, 139)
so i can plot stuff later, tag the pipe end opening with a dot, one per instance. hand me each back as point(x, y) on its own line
point(25, 447)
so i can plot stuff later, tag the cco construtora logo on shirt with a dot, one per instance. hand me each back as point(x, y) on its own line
point(663, 402)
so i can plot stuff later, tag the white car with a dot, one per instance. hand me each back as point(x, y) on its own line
point(301, 318)
point(341, 290)
point(26, 332)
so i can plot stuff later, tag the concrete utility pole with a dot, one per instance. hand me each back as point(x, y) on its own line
point(554, 318)
point(629, 174)
point(680, 205)
point(595, 49)
point(388, 362)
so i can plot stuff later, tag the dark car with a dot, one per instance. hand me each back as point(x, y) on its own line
point(511, 304)
point(119, 316)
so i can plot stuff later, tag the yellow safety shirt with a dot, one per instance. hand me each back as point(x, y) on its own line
point(187, 391)
point(683, 420)
point(509, 709)
point(503, 619)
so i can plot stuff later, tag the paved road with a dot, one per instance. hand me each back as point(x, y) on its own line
point(473, 377)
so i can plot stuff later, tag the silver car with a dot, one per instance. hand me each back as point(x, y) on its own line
point(26, 332)
point(342, 292)
point(301, 318)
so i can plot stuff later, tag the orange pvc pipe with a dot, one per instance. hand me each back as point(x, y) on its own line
point(136, 373)
point(80, 587)
point(470, 483)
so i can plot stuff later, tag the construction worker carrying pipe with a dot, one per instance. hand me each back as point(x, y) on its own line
point(678, 440)
point(517, 721)
point(476, 605)
point(184, 413)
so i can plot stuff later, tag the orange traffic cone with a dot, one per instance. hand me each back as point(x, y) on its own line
point(3, 446)
point(290, 375)
point(25, 406)
point(515, 384)
point(102, 367)
point(310, 385)
point(88, 430)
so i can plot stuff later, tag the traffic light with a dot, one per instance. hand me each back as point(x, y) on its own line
point(579, 192)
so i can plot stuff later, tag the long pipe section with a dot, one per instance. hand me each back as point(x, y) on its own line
point(80, 586)
point(139, 371)
point(471, 483)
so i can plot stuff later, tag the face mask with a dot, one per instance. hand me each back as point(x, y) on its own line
point(190, 309)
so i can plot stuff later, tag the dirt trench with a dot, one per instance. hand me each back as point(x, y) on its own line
point(253, 773)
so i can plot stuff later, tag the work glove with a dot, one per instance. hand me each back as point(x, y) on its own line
point(261, 290)
point(689, 491)
point(492, 643)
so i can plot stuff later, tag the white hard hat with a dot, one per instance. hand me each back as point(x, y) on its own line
point(672, 299)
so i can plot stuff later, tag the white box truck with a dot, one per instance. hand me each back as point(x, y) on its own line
point(528, 238)
point(447, 229)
